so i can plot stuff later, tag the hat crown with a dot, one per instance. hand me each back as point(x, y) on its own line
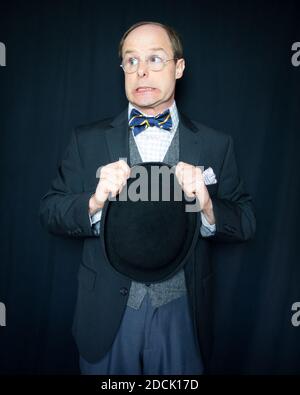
point(147, 232)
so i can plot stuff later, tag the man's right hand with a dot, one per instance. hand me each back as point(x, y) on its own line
point(112, 179)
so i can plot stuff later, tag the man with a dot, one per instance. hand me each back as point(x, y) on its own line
point(122, 326)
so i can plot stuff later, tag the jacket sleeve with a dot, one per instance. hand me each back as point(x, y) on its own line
point(64, 209)
point(233, 208)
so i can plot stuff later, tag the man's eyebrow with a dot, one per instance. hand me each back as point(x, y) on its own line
point(150, 49)
point(158, 49)
point(128, 51)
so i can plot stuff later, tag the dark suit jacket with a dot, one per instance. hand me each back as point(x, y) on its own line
point(102, 292)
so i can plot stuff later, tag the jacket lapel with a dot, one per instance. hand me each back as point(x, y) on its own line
point(117, 138)
point(189, 147)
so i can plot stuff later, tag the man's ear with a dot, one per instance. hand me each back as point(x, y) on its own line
point(180, 66)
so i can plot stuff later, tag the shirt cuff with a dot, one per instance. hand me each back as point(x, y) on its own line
point(95, 217)
point(207, 229)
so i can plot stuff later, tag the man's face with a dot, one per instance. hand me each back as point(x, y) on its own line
point(151, 91)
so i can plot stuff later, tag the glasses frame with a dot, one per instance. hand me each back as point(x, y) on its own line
point(147, 60)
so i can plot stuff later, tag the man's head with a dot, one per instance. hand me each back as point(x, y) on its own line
point(149, 90)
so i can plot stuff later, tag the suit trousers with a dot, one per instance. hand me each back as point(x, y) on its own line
point(151, 340)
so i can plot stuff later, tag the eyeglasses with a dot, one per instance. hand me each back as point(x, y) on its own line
point(154, 62)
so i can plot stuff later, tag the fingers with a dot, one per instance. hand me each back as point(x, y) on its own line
point(118, 169)
point(189, 177)
point(109, 187)
point(124, 166)
point(113, 178)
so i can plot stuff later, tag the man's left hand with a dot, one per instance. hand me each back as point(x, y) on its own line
point(191, 180)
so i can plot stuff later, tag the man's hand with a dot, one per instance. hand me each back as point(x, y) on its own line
point(112, 179)
point(191, 180)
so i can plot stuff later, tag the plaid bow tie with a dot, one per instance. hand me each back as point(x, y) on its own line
point(139, 122)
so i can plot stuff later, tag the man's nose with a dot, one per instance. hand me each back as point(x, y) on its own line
point(142, 69)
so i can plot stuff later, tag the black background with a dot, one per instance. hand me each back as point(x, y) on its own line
point(62, 71)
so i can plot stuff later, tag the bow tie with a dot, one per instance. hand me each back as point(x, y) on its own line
point(139, 122)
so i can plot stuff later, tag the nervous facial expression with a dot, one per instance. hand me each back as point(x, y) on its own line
point(151, 91)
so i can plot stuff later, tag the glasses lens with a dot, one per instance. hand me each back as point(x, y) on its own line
point(130, 64)
point(155, 63)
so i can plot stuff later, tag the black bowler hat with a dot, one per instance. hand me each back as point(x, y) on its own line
point(147, 232)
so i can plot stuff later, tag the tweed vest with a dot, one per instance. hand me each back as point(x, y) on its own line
point(163, 292)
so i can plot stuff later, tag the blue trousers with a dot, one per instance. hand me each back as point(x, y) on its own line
point(151, 340)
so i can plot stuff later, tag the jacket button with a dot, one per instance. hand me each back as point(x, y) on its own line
point(123, 291)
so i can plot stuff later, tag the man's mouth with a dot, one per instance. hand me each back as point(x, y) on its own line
point(143, 89)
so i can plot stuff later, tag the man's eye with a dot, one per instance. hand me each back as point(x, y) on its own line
point(155, 59)
point(132, 61)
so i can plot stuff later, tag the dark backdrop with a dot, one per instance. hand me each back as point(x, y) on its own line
point(63, 70)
